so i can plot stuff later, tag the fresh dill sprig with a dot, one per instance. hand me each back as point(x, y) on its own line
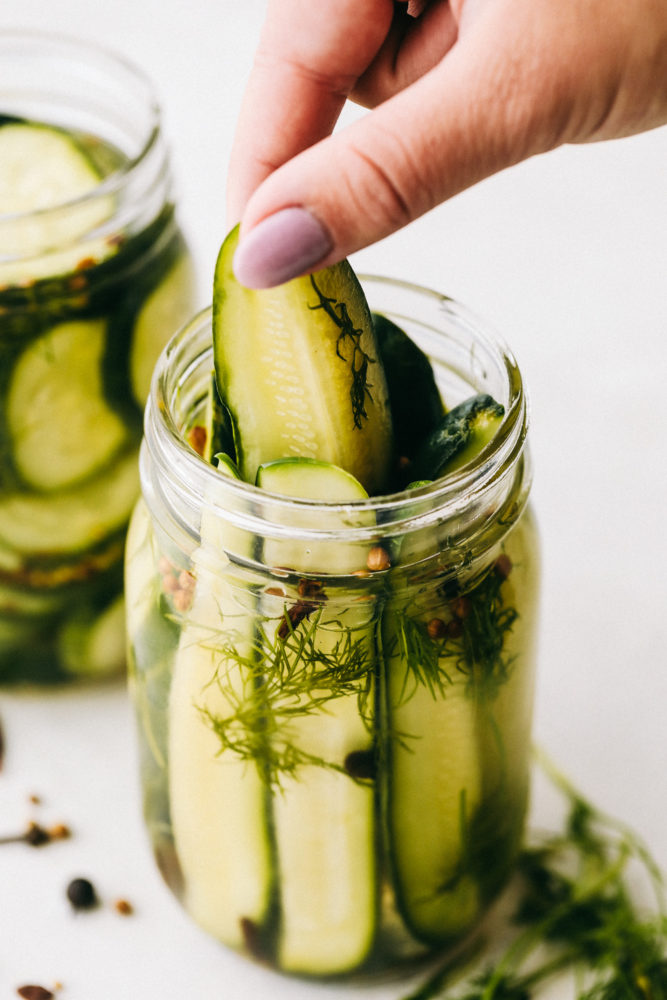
point(472, 642)
point(576, 912)
point(485, 627)
point(423, 655)
point(287, 679)
point(359, 361)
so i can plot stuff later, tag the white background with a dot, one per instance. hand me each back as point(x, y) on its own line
point(566, 256)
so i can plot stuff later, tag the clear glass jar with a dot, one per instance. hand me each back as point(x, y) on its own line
point(334, 700)
point(94, 278)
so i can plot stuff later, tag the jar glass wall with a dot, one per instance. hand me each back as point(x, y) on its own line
point(94, 277)
point(334, 700)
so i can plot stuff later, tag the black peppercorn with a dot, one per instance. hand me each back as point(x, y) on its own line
point(81, 894)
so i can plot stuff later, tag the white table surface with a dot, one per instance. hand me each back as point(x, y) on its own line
point(566, 255)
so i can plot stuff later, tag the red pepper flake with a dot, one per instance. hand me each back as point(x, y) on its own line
point(35, 993)
point(293, 617)
point(59, 832)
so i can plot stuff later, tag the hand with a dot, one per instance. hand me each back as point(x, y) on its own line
point(464, 89)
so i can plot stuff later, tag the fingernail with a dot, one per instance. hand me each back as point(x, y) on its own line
point(281, 247)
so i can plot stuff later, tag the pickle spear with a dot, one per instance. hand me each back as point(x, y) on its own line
point(297, 365)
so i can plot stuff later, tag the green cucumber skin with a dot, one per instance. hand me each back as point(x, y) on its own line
point(414, 398)
point(462, 432)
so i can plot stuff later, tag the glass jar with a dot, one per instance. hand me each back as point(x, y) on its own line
point(334, 700)
point(94, 278)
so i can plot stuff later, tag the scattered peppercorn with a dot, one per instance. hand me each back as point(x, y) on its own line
point(123, 907)
point(36, 835)
point(35, 993)
point(81, 894)
point(378, 559)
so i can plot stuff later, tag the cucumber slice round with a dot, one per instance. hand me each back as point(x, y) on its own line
point(73, 520)
point(459, 437)
point(61, 428)
point(92, 644)
point(41, 168)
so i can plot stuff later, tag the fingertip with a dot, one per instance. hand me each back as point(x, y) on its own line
point(280, 247)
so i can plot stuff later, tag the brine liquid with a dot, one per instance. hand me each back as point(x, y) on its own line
point(335, 782)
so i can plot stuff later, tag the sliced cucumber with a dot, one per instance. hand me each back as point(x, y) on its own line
point(414, 398)
point(218, 429)
point(460, 436)
point(310, 479)
point(323, 819)
point(92, 642)
point(505, 716)
point(218, 801)
point(165, 310)
point(434, 785)
point(297, 366)
point(61, 428)
point(72, 520)
point(43, 167)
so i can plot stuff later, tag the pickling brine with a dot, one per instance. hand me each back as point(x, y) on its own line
point(334, 690)
point(94, 276)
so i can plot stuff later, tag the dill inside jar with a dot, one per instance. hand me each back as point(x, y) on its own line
point(332, 670)
point(94, 276)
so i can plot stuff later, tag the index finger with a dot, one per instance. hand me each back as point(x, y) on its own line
point(309, 58)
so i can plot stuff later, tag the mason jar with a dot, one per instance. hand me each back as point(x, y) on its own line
point(94, 277)
point(334, 700)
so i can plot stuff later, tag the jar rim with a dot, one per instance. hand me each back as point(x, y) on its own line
point(85, 51)
point(245, 504)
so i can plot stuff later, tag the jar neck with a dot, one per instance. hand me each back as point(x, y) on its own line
point(107, 107)
point(456, 520)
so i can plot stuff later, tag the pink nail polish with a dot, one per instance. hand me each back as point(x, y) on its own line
point(281, 247)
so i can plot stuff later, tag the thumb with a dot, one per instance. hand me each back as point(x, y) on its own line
point(472, 115)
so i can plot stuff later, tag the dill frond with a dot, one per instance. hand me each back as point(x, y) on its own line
point(358, 360)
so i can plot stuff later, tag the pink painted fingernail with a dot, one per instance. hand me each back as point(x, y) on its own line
point(281, 247)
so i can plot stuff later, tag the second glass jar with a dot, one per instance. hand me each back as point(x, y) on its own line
point(334, 700)
point(94, 278)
